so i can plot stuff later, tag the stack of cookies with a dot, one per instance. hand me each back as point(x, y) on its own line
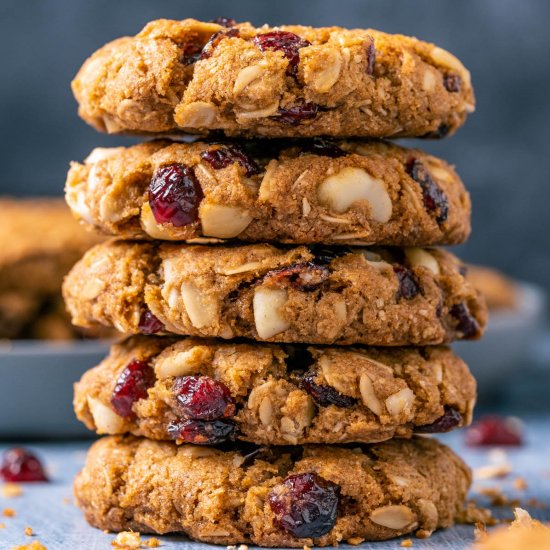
point(287, 320)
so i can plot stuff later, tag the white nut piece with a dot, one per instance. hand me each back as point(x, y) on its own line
point(393, 516)
point(202, 310)
point(102, 153)
point(223, 222)
point(324, 76)
point(259, 113)
point(151, 227)
point(368, 396)
point(199, 114)
point(429, 80)
point(418, 257)
point(105, 419)
point(267, 306)
point(182, 363)
point(350, 185)
point(400, 402)
point(246, 76)
point(448, 60)
point(196, 451)
point(265, 411)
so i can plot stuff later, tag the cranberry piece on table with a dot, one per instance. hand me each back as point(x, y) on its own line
point(203, 398)
point(175, 195)
point(409, 287)
point(298, 113)
point(324, 395)
point(149, 323)
point(305, 505)
point(201, 432)
point(495, 430)
point(131, 386)
point(227, 154)
point(20, 465)
point(283, 41)
point(450, 419)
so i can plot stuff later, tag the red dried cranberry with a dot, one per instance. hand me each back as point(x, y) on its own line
point(201, 432)
point(305, 505)
point(434, 198)
point(131, 386)
point(324, 255)
point(304, 276)
point(20, 465)
point(324, 395)
point(450, 419)
point(409, 286)
point(495, 430)
point(224, 21)
point(298, 113)
point(215, 39)
point(283, 41)
point(442, 131)
point(191, 53)
point(322, 147)
point(149, 323)
point(175, 195)
point(227, 154)
point(465, 322)
point(203, 398)
point(452, 83)
point(371, 58)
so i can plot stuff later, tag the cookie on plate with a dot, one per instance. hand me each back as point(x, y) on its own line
point(285, 497)
point(382, 296)
point(194, 77)
point(288, 191)
point(206, 391)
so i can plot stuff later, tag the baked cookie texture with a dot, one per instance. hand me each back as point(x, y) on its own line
point(237, 496)
point(194, 77)
point(500, 291)
point(294, 192)
point(381, 296)
point(279, 395)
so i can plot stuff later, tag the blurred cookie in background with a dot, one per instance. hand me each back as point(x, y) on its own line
point(500, 291)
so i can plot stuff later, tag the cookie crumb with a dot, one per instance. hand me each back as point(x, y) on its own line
point(11, 490)
point(520, 484)
point(423, 534)
point(492, 471)
point(29, 531)
point(127, 540)
point(8, 512)
point(67, 500)
point(152, 543)
point(480, 531)
point(35, 545)
point(407, 543)
point(354, 541)
point(2, 525)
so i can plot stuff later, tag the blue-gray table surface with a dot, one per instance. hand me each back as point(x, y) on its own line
point(48, 508)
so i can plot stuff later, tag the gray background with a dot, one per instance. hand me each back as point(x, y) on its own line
point(502, 152)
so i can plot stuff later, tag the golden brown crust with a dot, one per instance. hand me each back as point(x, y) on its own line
point(283, 202)
point(218, 497)
point(392, 391)
point(278, 294)
point(364, 83)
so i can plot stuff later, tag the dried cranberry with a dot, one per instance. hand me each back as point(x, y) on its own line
point(149, 323)
point(201, 432)
point(324, 395)
point(434, 198)
point(495, 430)
point(20, 465)
point(203, 398)
point(322, 147)
point(224, 21)
point(452, 83)
point(283, 41)
point(191, 53)
point(215, 39)
point(450, 419)
point(227, 154)
point(298, 113)
point(131, 386)
point(371, 58)
point(409, 286)
point(175, 195)
point(466, 323)
point(441, 132)
point(305, 505)
point(304, 276)
point(324, 255)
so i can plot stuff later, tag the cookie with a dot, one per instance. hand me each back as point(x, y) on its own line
point(205, 391)
point(193, 77)
point(293, 192)
point(500, 292)
point(381, 296)
point(288, 497)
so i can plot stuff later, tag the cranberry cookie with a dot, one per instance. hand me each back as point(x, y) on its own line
point(288, 81)
point(295, 192)
point(203, 391)
point(381, 296)
point(285, 497)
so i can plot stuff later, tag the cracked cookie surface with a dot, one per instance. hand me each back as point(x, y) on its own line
point(296, 192)
point(195, 77)
point(378, 296)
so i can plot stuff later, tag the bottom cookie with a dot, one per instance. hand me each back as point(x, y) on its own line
point(290, 496)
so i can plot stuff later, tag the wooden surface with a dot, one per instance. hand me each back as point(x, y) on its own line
point(48, 508)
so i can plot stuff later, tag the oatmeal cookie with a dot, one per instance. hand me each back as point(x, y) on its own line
point(377, 296)
point(293, 192)
point(194, 77)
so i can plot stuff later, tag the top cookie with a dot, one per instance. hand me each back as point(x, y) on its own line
point(194, 77)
